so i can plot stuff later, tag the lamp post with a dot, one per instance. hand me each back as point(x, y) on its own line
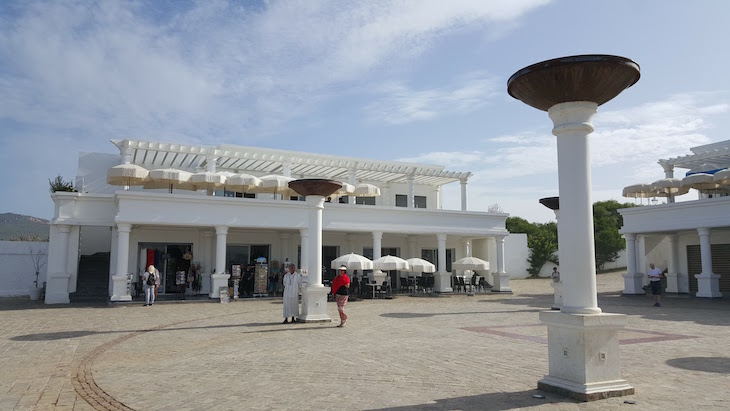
point(314, 295)
point(553, 203)
point(583, 345)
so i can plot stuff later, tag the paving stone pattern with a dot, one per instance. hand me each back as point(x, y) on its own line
point(483, 352)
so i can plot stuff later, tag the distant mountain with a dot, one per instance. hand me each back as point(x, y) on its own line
point(23, 227)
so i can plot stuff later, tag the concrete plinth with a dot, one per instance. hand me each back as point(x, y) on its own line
point(442, 283)
point(501, 283)
point(584, 355)
point(558, 295)
point(633, 283)
point(218, 281)
point(119, 288)
point(708, 285)
point(57, 288)
point(314, 304)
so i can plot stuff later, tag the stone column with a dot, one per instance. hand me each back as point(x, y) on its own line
point(304, 252)
point(633, 280)
point(708, 283)
point(673, 277)
point(412, 244)
point(207, 261)
point(119, 280)
point(501, 278)
point(377, 275)
point(314, 295)
point(352, 179)
point(463, 194)
point(668, 173)
point(220, 278)
point(58, 275)
point(411, 191)
point(442, 278)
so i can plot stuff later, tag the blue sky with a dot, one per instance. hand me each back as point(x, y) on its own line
point(420, 81)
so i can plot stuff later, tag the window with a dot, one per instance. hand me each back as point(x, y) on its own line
point(365, 200)
point(432, 255)
point(236, 194)
point(401, 200)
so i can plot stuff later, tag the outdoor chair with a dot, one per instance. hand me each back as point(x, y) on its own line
point(455, 284)
point(430, 282)
point(404, 284)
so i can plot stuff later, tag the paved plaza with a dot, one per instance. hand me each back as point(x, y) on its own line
point(483, 352)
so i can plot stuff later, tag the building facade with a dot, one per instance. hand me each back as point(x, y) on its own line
point(213, 229)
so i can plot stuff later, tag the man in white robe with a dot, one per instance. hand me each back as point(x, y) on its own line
point(292, 282)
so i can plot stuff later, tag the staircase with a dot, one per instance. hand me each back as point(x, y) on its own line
point(92, 285)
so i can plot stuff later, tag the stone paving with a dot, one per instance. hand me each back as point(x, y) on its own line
point(483, 352)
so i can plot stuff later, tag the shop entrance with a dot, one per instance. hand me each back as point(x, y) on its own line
point(168, 259)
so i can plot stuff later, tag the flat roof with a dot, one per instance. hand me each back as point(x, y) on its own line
point(261, 161)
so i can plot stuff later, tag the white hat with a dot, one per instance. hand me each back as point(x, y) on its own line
point(342, 267)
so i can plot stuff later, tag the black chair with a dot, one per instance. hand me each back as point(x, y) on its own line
point(430, 282)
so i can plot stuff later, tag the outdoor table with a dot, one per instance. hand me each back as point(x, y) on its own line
point(373, 286)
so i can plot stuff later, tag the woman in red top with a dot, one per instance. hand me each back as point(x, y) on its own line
point(340, 286)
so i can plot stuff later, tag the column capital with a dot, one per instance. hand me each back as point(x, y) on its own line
point(703, 231)
point(441, 237)
point(630, 236)
point(221, 230)
point(463, 180)
point(378, 235)
point(63, 228)
point(124, 227)
point(304, 232)
point(573, 117)
point(499, 238)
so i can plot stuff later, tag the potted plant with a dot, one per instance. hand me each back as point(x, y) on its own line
point(38, 259)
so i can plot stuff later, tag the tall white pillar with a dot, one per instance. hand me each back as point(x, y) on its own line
point(633, 280)
point(708, 283)
point(641, 264)
point(314, 295)
point(119, 280)
point(304, 252)
point(412, 244)
point(220, 278)
point(58, 275)
point(463, 194)
point(669, 173)
point(207, 261)
point(572, 125)
point(674, 278)
point(352, 179)
point(411, 191)
point(501, 278)
point(442, 278)
point(377, 275)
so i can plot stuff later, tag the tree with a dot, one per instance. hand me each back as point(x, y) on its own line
point(606, 223)
point(38, 259)
point(59, 184)
point(542, 240)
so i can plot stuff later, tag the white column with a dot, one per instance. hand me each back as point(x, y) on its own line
point(411, 191)
point(633, 280)
point(673, 276)
point(58, 275)
point(442, 278)
point(377, 275)
point(463, 194)
point(286, 169)
point(284, 252)
point(708, 283)
point(352, 179)
point(119, 280)
point(572, 125)
point(641, 264)
point(207, 261)
point(220, 278)
point(412, 244)
point(439, 202)
point(314, 295)
point(501, 278)
point(669, 173)
point(304, 245)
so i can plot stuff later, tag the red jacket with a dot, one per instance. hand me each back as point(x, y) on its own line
point(339, 281)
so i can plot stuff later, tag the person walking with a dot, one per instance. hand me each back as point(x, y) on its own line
point(340, 289)
point(655, 282)
point(150, 279)
point(292, 282)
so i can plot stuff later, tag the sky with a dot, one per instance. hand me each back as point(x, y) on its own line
point(417, 81)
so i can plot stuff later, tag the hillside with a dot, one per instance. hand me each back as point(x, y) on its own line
point(17, 226)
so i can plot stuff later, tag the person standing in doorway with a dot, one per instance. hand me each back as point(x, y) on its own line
point(340, 289)
point(655, 282)
point(149, 279)
point(292, 282)
point(555, 275)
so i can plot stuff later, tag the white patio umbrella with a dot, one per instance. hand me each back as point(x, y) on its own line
point(419, 265)
point(470, 263)
point(366, 190)
point(353, 262)
point(722, 177)
point(638, 191)
point(242, 182)
point(276, 184)
point(390, 262)
point(208, 180)
point(700, 181)
point(346, 190)
point(170, 178)
point(669, 187)
point(127, 175)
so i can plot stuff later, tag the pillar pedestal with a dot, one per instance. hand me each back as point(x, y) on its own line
point(57, 288)
point(558, 295)
point(442, 283)
point(218, 281)
point(708, 285)
point(584, 356)
point(314, 304)
point(119, 288)
point(501, 283)
point(633, 283)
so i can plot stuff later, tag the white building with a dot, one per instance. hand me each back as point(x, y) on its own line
point(691, 239)
point(126, 229)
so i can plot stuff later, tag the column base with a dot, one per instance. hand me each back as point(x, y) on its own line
point(217, 281)
point(314, 305)
point(57, 288)
point(442, 283)
point(633, 284)
point(708, 285)
point(501, 283)
point(672, 283)
point(558, 295)
point(583, 354)
point(119, 289)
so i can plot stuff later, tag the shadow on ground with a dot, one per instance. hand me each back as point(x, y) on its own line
point(719, 365)
point(492, 401)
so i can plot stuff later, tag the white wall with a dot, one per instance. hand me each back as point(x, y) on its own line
point(17, 272)
point(515, 256)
